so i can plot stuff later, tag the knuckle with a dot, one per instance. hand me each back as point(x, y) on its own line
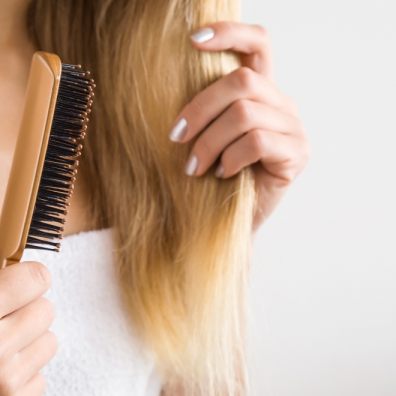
point(242, 113)
point(287, 174)
point(291, 168)
point(246, 78)
point(39, 273)
point(287, 177)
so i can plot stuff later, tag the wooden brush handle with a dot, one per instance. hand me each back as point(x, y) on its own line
point(29, 155)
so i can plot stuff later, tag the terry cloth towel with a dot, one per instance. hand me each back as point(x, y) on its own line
point(98, 353)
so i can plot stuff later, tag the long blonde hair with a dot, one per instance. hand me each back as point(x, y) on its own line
point(182, 243)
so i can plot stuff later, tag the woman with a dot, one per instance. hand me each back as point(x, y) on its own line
point(191, 146)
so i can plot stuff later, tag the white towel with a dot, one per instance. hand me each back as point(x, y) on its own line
point(98, 352)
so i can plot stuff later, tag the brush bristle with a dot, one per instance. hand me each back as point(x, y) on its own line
point(68, 130)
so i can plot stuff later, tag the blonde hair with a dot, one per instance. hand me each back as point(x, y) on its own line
point(182, 243)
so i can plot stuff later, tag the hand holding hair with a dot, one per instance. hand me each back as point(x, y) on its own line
point(243, 119)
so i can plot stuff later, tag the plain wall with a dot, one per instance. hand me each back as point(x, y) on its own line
point(323, 295)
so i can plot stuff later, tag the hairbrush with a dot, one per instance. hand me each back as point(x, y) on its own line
point(53, 126)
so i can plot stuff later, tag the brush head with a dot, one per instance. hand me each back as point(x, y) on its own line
point(68, 130)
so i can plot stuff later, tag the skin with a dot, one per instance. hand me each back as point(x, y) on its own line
point(243, 119)
point(251, 124)
point(26, 344)
point(16, 54)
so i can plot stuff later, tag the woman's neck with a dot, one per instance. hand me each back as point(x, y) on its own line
point(16, 47)
point(14, 36)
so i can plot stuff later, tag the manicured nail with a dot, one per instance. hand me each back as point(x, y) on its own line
point(192, 165)
point(219, 171)
point(179, 130)
point(203, 35)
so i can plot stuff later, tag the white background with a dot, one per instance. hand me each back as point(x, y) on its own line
point(323, 283)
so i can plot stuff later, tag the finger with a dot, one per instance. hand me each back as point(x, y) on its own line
point(242, 83)
point(240, 117)
point(34, 357)
point(34, 387)
point(23, 326)
point(251, 40)
point(278, 153)
point(20, 284)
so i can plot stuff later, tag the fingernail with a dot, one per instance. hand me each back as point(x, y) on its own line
point(219, 171)
point(192, 165)
point(203, 35)
point(179, 130)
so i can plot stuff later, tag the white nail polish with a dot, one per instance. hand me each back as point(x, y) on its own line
point(192, 165)
point(179, 130)
point(219, 171)
point(203, 35)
